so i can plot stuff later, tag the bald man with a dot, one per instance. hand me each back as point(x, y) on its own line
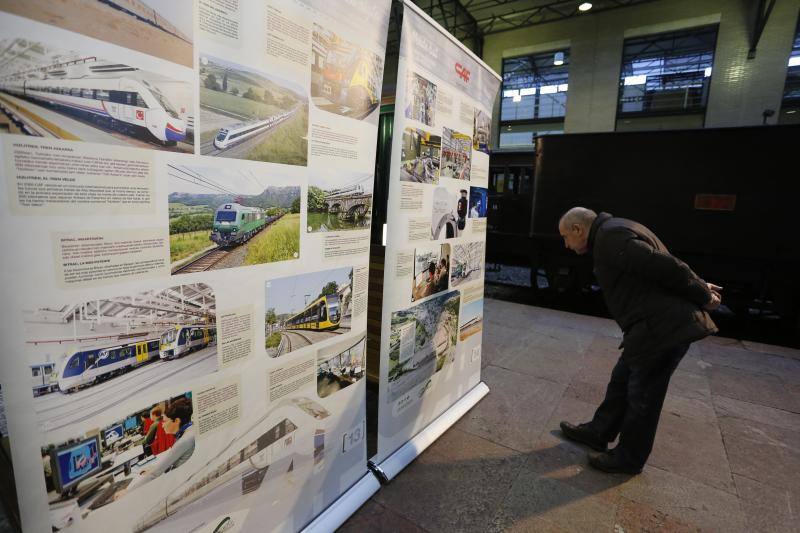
point(662, 306)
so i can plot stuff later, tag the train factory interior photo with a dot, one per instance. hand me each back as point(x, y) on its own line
point(400, 266)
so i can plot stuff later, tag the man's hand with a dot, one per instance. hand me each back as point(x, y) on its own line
point(716, 297)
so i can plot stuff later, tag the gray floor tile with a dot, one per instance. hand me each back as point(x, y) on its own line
point(374, 517)
point(690, 385)
point(762, 389)
point(693, 449)
point(554, 501)
point(762, 452)
point(685, 500)
point(516, 410)
point(766, 508)
point(456, 485)
point(636, 516)
point(730, 407)
point(784, 351)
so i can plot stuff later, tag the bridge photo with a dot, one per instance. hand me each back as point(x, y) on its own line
point(343, 207)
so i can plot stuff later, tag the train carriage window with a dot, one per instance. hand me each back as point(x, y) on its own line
point(100, 94)
point(87, 93)
point(75, 92)
point(139, 101)
point(323, 313)
point(118, 97)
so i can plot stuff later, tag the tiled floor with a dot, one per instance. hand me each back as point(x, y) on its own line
point(726, 458)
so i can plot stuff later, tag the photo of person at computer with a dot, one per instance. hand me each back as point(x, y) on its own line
point(101, 467)
point(431, 271)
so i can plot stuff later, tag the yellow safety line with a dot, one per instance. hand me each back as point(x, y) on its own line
point(46, 124)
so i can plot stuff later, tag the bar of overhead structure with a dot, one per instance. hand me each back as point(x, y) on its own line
point(471, 20)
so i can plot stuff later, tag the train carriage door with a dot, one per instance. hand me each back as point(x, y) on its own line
point(141, 352)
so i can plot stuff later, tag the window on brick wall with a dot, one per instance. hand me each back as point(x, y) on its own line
point(534, 95)
point(666, 74)
point(790, 107)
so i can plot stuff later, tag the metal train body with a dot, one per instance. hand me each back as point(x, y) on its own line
point(44, 378)
point(320, 315)
point(181, 340)
point(121, 103)
point(235, 223)
point(86, 367)
point(239, 132)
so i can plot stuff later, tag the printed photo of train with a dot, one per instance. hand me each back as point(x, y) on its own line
point(345, 78)
point(305, 309)
point(227, 137)
point(339, 203)
point(88, 356)
point(260, 461)
point(246, 113)
point(471, 319)
point(160, 29)
point(49, 92)
point(230, 217)
point(182, 340)
point(235, 224)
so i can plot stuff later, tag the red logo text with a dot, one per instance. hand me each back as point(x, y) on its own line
point(462, 72)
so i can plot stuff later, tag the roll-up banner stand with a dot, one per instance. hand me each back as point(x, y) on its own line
point(432, 316)
point(186, 205)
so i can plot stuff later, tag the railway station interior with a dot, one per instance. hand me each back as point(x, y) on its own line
point(680, 115)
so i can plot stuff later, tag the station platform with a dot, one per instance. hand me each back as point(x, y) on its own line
point(726, 457)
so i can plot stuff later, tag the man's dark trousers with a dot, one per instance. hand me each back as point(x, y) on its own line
point(633, 402)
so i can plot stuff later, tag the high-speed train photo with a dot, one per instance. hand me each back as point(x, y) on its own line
point(181, 340)
point(237, 133)
point(320, 315)
point(85, 367)
point(122, 103)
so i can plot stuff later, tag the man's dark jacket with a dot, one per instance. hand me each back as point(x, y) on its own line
point(655, 298)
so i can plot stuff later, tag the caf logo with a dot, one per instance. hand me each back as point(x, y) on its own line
point(462, 72)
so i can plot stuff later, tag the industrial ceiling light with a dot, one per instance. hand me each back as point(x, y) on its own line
point(558, 59)
point(586, 6)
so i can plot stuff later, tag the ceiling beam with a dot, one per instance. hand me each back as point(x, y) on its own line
point(760, 18)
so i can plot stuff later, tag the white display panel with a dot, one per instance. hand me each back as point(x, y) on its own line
point(187, 194)
point(436, 230)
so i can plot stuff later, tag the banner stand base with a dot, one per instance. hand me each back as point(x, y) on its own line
point(348, 503)
point(392, 465)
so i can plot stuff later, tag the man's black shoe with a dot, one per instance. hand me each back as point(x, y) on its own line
point(608, 462)
point(585, 435)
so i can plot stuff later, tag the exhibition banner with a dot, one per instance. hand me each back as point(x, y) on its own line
point(186, 205)
point(436, 230)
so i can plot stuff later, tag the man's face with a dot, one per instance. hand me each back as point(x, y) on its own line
point(576, 238)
